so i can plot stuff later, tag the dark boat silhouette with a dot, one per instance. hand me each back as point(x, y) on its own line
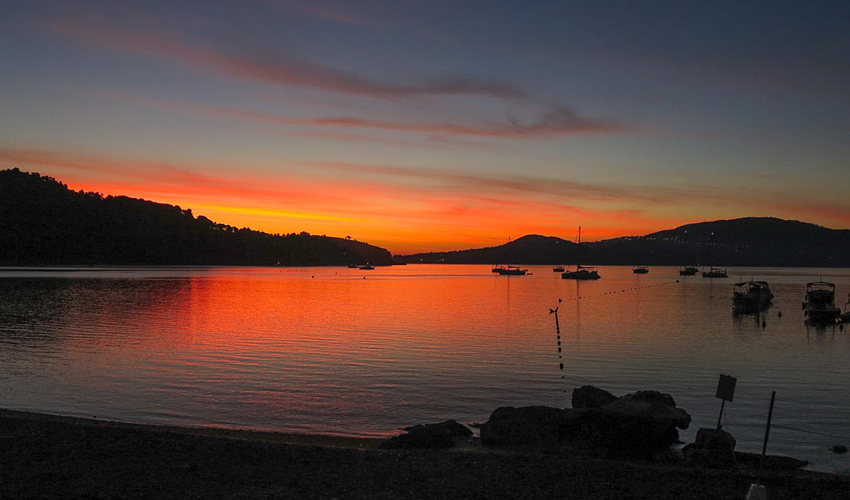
point(367, 267)
point(510, 271)
point(819, 302)
point(688, 271)
point(715, 272)
point(751, 296)
point(640, 270)
point(558, 269)
point(581, 272)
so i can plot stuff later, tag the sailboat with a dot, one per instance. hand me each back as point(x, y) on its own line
point(581, 272)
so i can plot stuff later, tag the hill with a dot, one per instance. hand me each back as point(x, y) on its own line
point(44, 222)
point(751, 241)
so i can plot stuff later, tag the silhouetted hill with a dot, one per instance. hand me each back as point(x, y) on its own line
point(44, 222)
point(751, 241)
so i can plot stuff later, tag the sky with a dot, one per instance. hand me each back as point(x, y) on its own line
point(438, 125)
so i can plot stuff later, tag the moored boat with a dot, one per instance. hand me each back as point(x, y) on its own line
point(581, 272)
point(819, 303)
point(845, 316)
point(367, 267)
point(640, 270)
point(688, 271)
point(511, 271)
point(751, 295)
point(558, 269)
point(715, 272)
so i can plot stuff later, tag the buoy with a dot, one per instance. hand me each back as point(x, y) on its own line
point(764, 324)
point(780, 314)
point(559, 349)
point(562, 366)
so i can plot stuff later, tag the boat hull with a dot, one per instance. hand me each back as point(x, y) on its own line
point(580, 275)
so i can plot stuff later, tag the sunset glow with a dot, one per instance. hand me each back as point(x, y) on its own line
point(510, 120)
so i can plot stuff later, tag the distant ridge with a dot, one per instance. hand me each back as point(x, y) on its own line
point(749, 241)
point(42, 222)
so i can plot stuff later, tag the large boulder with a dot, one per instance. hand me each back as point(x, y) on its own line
point(656, 408)
point(635, 425)
point(443, 435)
point(588, 396)
point(524, 426)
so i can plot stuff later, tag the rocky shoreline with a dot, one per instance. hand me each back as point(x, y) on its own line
point(47, 456)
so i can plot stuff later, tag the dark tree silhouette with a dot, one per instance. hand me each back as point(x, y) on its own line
point(44, 222)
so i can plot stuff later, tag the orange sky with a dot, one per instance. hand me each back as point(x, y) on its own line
point(421, 126)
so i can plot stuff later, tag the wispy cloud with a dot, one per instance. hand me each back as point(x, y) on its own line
point(558, 122)
point(280, 68)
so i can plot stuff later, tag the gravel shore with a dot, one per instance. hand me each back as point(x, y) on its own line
point(47, 456)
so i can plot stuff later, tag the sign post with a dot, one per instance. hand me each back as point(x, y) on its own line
point(725, 392)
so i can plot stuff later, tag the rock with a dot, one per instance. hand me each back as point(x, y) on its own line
point(651, 409)
point(619, 434)
point(839, 448)
point(636, 425)
point(528, 425)
point(589, 396)
point(443, 435)
point(713, 439)
point(653, 397)
point(712, 448)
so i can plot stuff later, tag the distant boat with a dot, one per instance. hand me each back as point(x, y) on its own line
point(367, 267)
point(512, 271)
point(558, 269)
point(751, 295)
point(688, 271)
point(845, 316)
point(715, 273)
point(497, 268)
point(640, 270)
point(353, 266)
point(581, 272)
point(819, 303)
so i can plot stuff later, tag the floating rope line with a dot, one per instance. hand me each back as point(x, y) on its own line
point(811, 432)
point(582, 297)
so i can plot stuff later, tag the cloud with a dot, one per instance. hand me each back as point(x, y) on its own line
point(280, 68)
point(558, 122)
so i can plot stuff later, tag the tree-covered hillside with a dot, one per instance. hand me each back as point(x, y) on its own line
point(44, 222)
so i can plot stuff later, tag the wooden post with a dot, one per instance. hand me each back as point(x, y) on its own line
point(719, 417)
point(767, 429)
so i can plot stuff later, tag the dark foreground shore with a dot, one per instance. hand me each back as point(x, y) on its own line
point(47, 456)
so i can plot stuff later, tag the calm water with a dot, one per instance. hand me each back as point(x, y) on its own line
point(325, 350)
